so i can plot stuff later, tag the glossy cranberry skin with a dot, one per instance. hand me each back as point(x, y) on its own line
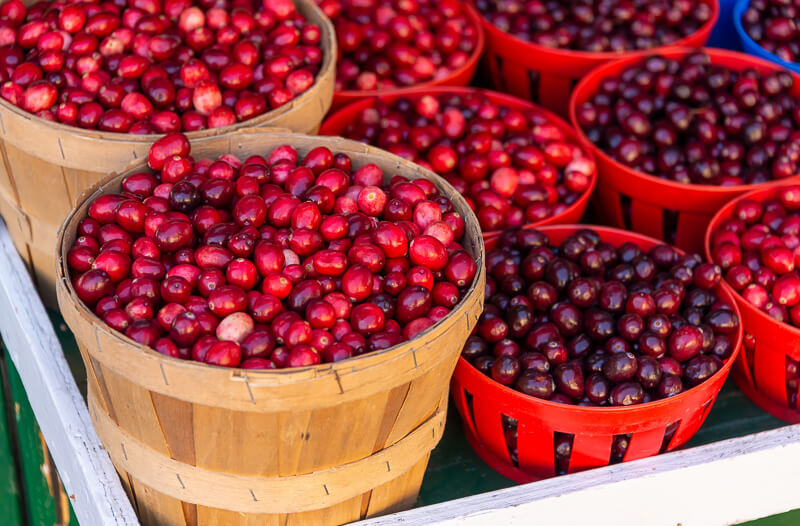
point(710, 150)
point(685, 342)
point(569, 379)
point(627, 393)
point(536, 384)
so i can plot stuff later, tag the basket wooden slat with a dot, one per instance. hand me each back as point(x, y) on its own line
point(308, 427)
point(44, 166)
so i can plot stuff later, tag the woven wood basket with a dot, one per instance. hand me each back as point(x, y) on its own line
point(329, 444)
point(44, 166)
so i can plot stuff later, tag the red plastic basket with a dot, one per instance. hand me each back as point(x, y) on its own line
point(657, 205)
point(460, 77)
point(336, 123)
point(482, 403)
point(546, 75)
point(760, 371)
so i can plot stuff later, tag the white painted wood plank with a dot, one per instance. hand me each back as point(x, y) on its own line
point(722, 483)
point(83, 465)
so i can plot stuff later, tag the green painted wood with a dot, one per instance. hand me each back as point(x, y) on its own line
point(10, 497)
point(36, 470)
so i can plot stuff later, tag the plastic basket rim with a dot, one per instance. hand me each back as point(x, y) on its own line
point(738, 11)
point(504, 98)
point(725, 212)
point(348, 96)
point(600, 56)
point(532, 402)
point(669, 52)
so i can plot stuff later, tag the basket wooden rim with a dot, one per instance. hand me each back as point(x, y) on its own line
point(328, 43)
point(227, 387)
point(261, 494)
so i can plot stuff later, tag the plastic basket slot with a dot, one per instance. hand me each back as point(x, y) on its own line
point(690, 423)
point(510, 434)
point(625, 203)
point(619, 448)
point(645, 444)
point(563, 440)
point(534, 78)
point(669, 225)
point(535, 449)
point(792, 395)
point(744, 365)
point(489, 427)
point(769, 371)
point(669, 432)
point(706, 410)
point(590, 451)
point(493, 63)
point(463, 401)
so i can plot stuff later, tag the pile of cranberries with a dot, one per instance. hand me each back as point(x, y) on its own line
point(758, 248)
point(774, 25)
point(399, 43)
point(147, 66)
point(279, 261)
point(597, 25)
point(590, 323)
point(512, 165)
point(691, 121)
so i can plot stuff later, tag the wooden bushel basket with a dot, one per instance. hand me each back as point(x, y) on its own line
point(44, 166)
point(328, 444)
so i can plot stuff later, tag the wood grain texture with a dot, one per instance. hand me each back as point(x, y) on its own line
point(256, 494)
point(283, 444)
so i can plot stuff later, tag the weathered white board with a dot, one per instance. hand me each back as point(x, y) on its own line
point(83, 465)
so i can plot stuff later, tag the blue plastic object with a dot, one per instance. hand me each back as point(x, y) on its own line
point(750, 46)
point(724, 35)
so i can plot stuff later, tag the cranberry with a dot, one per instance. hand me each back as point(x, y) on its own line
point(572, 330)
point(597, 27)
point(490, 184)
point(709, 127)
point(91, 48)
point(226, 250)
point(772, 25)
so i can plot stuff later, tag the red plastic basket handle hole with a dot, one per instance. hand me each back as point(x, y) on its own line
point(626, 204)
point(792, 381)
point(534, 80)
point(669, 432)
point(562, 451)
point(510, 433)
point(669, 226)
point(470, 409)
point(706, 409)
point(619, 447)
point(496, 70)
